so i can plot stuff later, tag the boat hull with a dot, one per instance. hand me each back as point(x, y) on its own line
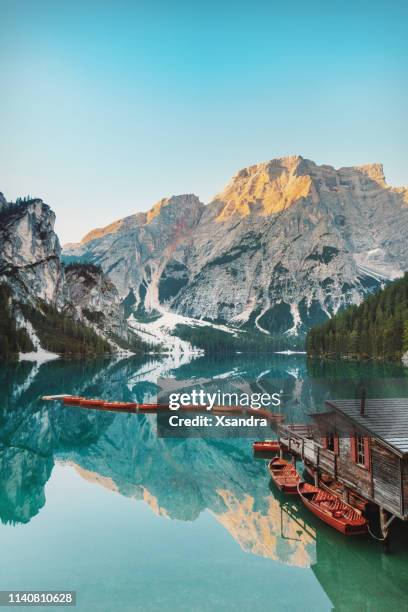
point(266, 447)
point(284, 475)
point(265, 414)
point(356, 525)
point(90, 403)
point(153, 407)
point(120, 406)
point(228, 410)
point(73, 400)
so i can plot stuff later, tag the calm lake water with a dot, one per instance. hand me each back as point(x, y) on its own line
point(96, 502)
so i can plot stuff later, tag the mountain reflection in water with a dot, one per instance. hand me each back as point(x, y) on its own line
point(180, 479)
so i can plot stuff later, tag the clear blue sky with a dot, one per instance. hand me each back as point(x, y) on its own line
point(107, 106)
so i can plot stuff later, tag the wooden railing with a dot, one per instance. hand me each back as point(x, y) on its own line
point(298, 440)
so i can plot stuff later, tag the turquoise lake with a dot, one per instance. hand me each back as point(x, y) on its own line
point(96, 502)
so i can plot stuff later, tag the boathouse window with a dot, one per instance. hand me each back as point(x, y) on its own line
point(360, 450)
point(331, 442)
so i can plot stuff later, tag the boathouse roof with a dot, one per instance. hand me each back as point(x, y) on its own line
point(386, 419)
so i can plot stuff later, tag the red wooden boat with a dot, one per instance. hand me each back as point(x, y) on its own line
point(266, 446)
point(72, 399)
point(265, 414)
point(332, 510)
point(152, 407)
point(228, 410)
point(193, 408)
point(335, 487)
point(284, 475)
point(91, 402)
point(122, 406)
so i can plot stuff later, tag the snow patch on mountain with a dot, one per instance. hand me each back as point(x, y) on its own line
point(39, 355)
point(374, 263)
point(297, 321)
point(160, 331)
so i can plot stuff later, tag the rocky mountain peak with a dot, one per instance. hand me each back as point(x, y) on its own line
point(100, 231)
point(266, 188)
point(375, 172)
point(367, 176)
point(166, 209)
point(30, 249)
point(30, 265)
point(187, 203)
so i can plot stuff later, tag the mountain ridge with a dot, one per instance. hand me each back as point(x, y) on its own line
point(284, 246)
point(374, 170)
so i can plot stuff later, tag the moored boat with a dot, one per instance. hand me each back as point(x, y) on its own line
point(228, 410)
point(194, 408)
point(332, 510)
point(91, 402)
point(266, 446)
point(72, 399)
point(265, 414)
point(152, 407)
point(284, 475)
point(122, 406)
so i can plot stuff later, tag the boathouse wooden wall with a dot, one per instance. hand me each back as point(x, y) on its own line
point(354, 476)
point(404, 485)
point(386, 468)
point(385, 483)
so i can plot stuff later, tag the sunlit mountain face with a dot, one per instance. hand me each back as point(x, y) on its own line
point(315, 238)
point(86, 454)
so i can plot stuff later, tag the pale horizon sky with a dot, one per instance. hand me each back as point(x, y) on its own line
point(108, 107)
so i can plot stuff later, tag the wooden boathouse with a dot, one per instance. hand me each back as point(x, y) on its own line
point(358, 449)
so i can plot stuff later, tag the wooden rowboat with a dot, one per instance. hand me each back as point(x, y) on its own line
point(194, 408)
point(265, 414)
point(228, 410)
point(332, 510)
point(72, 399)
point(284, 475)
point(266, 446)
point(91, 402)
point(152, 407)
point(121, 406)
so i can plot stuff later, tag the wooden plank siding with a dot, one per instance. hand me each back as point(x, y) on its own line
point(386, 469)
point(404, 484)
point(354, 476)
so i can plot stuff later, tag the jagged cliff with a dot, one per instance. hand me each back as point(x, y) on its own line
point(43, 299)
point(91, 296)
point(133, 250)
point(30, 250)
point(284, 246)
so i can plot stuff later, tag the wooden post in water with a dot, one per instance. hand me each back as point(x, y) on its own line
point(385, 521)
point(316, 473)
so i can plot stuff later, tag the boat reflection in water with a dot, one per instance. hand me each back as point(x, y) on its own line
point(280, 534)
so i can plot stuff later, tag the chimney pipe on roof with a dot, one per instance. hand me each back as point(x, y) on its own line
point(362, 402)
